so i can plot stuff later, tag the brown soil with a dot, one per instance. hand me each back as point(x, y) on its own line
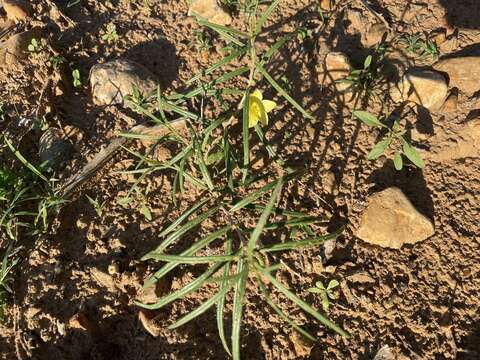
point(421, 300)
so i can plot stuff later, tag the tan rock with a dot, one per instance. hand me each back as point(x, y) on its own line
point(451, 103)
point(374, 35)
point(385, 353)
point(211, 11)
point(337, 67)
point(390, 220)
point(15, 49)
point(327, 4)
point(17, 10)
point(148, 322)
point(112, 81)
point(424, 87)
point(464, 72)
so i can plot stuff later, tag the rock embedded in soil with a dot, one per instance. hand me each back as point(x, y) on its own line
point(385, 353)
point(15, 48)
point(424, 87)
point(53, 151)
point(17, 10)
point(390, 220)
point(337, 67)
point(112, 81)
point(211, 11)
point(374, 35)
point(463, 72)
point(451, 103)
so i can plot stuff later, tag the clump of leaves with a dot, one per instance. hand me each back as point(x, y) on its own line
point(423, 48)
point(203, 40)
point(36, 45)
point(393, 139)
point(8, 263)
point(57, 60)
point(326, 293)
point(97, 205)
point(111, 34)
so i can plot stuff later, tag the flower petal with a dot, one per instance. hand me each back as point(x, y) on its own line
point(257, 94)
point(269, 105)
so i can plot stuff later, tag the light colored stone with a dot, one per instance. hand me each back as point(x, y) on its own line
point(390, 220)
point(112, 81)
point(17, 10)
point(424, 87)
point(337, 67)
point(451, 103)
point(385, 353)
point(374, 35)
point(464, 72)
point(211, 11)
point(15, 48)
point(327, 4)
point(148, 323)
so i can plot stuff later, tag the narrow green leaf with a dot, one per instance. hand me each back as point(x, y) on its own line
point(182, 217)
point(367, 118)
point(203, 167)
point(224, 32)
point(304, 306)
point(290, 245)
point(379, 149)
point(397, 160)
point(24, 161)
point(200, 244)
point(266, 15)
point(412, 154)
point(179, 259)
point(200, 310)
point(279, 311)
point(283, 93)
point(181, 293)
point(245, 129)
point(185, 228)
point(252, 242)
point(238, 301)
point(221, 301)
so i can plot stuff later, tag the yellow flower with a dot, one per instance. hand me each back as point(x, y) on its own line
point(258, 109)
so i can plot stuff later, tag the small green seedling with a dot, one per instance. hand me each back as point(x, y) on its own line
point(111, 34)
point(35, 46)
point(57, 60)
point(141, 201)
point(326, 293)
point(96, 205)
point(203, 40)
point(394, 138)
point(420, 47)
point(77, 82)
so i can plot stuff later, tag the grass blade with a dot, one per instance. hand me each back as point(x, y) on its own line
point(201, 309)
point(24, 161)
point(180, 259)
point(189, 252)
point(290, 245)
point(185, 228)
point(221, 301)
point(304, 306)
point(252, 242)
point(245, 130)
point(280, 313)
point(238, 301)
point(182, 217)
point(224, 32)
point(266, 15)
point(203, 166)
point(194, 285)
point(283, 93)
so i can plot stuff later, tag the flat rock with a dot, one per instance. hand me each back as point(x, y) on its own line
point(464, 72)
point(112, 81)
point(374, 35)
point(54, 150)
point(385, 353)
point(211, 11)
point(337, 67)
point(390, 220)
point(424, 87)
point(17, 10)
point(15, 48)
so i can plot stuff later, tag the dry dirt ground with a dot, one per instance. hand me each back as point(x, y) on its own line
point(421, 300)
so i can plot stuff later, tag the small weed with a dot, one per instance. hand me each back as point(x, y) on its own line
point(8, 263)
point(140, 199)
point(111, 34)
point(423, 48)
point(203, 40)
point(97, 206)
point(394, 139)
point(326, 293)
point(77, 82)
point(57, 60)
point(36, 46)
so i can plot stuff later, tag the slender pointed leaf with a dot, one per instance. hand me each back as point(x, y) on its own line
point(398, 161)
point(221, 301)
point(238, 302)
point(379, 149)
point(181, 259)
point(412, 154)
point(367, 118)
